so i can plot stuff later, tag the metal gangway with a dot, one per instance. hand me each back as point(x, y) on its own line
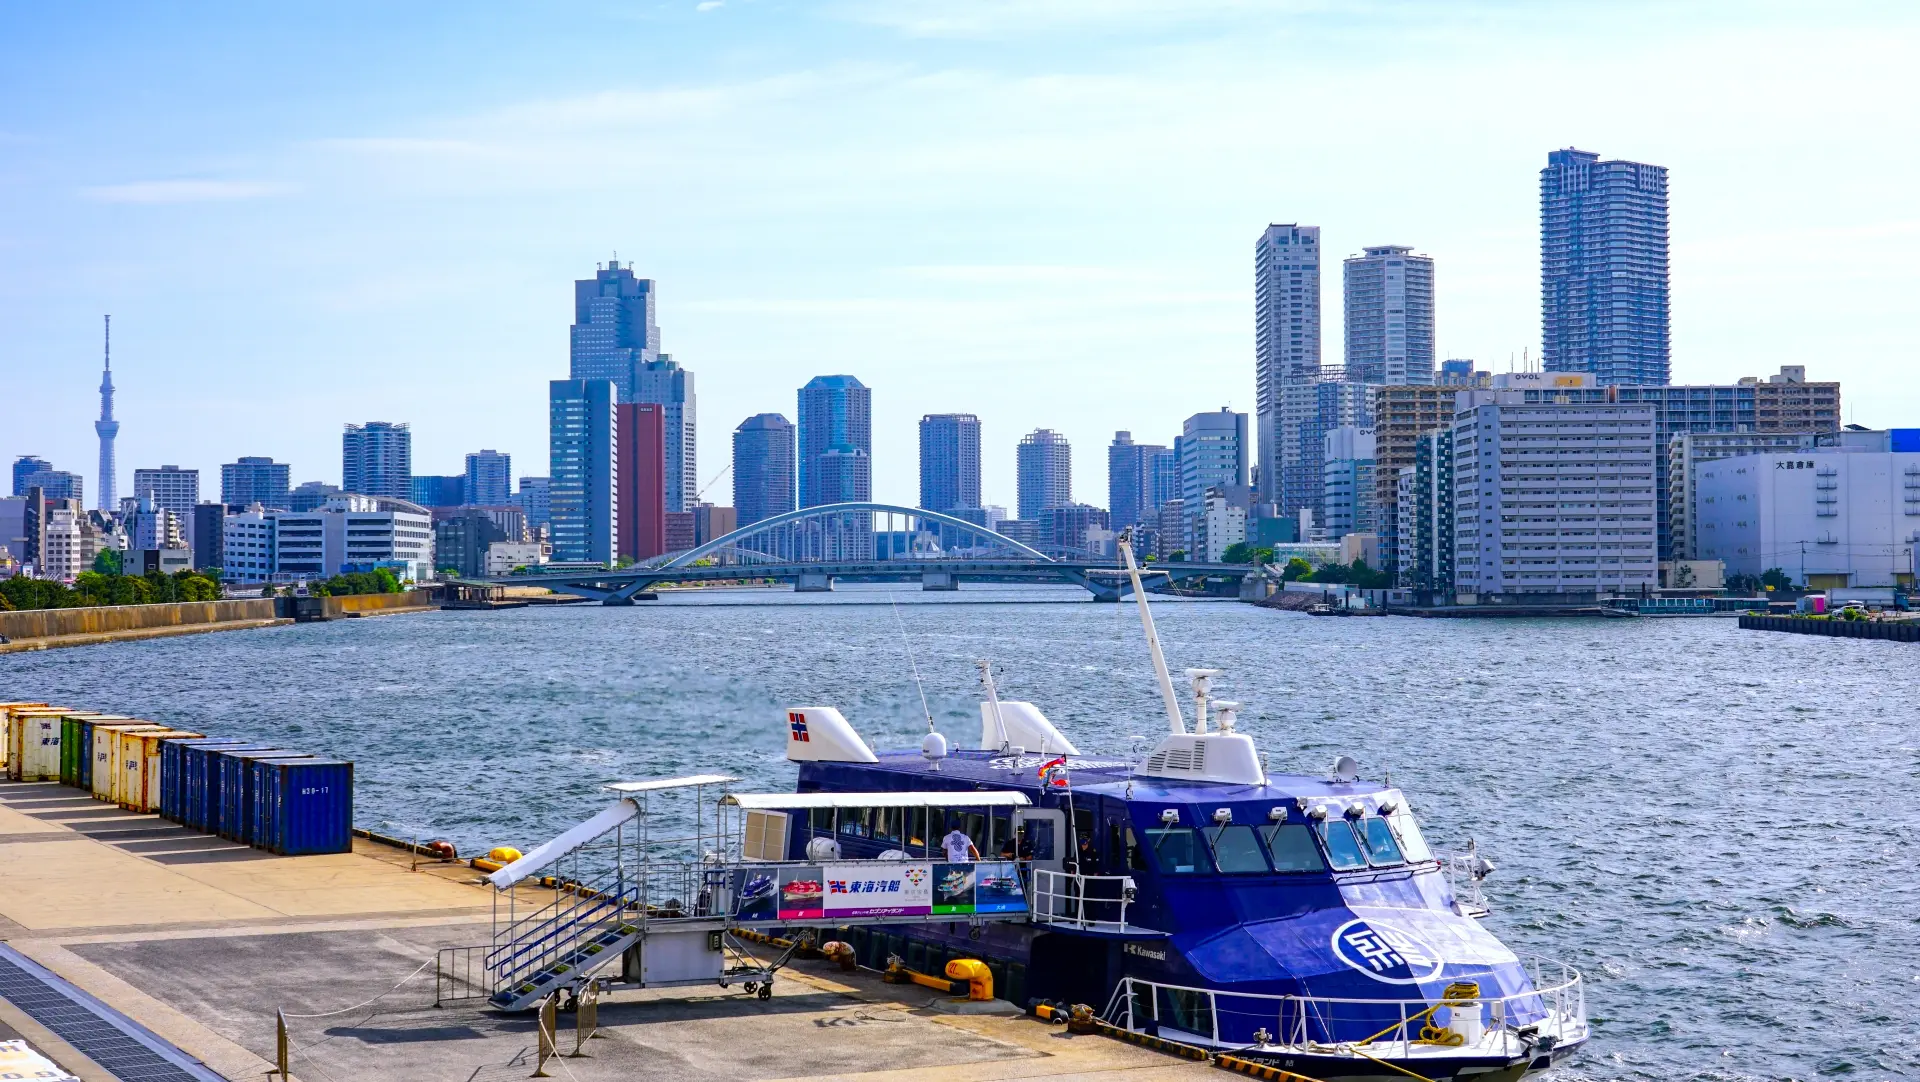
point(670, 911)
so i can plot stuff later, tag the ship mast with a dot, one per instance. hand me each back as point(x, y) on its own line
point(1175, 721)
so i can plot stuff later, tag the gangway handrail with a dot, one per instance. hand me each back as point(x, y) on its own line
point(1062, 898)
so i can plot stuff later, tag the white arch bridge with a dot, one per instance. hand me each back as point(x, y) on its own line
point(872, 542)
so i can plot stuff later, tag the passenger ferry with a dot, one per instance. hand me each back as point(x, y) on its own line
point(1299, 921)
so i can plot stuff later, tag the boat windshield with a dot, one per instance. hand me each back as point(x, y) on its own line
point(1343, 849)
point(1382, 849)
point(1235, 850)
point(1291, 846)
point(1411, 842)
point(1175, 850)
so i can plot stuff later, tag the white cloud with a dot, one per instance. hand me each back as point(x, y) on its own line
point(184, 191)
point(709, 5)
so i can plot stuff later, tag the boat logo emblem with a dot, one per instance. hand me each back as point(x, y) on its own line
point(1386, 952)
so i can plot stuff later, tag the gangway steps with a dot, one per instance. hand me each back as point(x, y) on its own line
point(571, 970)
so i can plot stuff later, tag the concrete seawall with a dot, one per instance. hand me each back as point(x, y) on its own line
point(1841, 629)
point(42, 629)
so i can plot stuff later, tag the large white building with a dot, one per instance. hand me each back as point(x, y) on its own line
point(355, 533)
point(1553, 497)
point(169, 487)
point(1389, 300)
point(246, 546)
point(1687, 452)
point(1844, 514)
point(1220, 525)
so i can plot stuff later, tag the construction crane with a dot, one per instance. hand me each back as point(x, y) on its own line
point(728, 468)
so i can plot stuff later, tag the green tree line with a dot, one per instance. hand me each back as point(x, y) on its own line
point(99, 588)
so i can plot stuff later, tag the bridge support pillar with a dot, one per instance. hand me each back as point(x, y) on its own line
point(939, 580)
point(813, 582)
point(1255, 588)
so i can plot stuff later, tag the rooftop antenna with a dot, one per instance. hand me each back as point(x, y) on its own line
point(109, 343)
point(1175, 721)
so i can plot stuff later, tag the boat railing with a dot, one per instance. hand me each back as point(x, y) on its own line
point(1094, 903)
point(1466, 871)
point(1553, 1013)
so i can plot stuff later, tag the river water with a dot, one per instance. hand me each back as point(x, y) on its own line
point(1718, 827)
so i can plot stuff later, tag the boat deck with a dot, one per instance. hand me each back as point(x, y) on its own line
point(200, 941)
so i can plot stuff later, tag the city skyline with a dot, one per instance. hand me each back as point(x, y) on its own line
point(381, 215)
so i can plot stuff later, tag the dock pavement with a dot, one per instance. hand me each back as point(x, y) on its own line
point(194, 943)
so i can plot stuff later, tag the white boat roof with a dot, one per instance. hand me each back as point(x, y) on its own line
point(653, 784)
point(979, 798)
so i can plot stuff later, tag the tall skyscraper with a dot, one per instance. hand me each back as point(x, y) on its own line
point(614, 334)
point(535, 500)
point(106, 427)
point(642, 479)
point(949, 461)
point(1286, 327)
point(376, 459)
point(763, 453)
point(670, 386)
point(1129, 485)
point(1389, 300)
point(835, 440)
point(1043, 473)
point(1604, 297)
point(584, 452)
point(255, 479)
point(169, 487)
point(489, 479)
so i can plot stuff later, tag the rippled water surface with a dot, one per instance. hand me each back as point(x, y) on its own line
point(1718, 827)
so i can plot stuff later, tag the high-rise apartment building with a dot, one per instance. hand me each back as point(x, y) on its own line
point(1310, 411)
point(584, 456)
point(763, 465)
point(1043, 473)
point(1604, 296)
point(835, 440)
point(1351, 495)
point(1552, 497)
point(1401, 415)
point(1286, 324)
point(255, 479)
point(169, 487)
point(614, 334)
point(949, 461)
point(1424, 511)
point(642, 474)
point(376, 459)
point(1389, 302)
point(670, 386)
point(489, 480)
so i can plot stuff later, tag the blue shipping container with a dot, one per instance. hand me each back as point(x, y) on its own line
point(86, 757)
point(303, 806)
point(203, 785)
point(173, 772)
point(235, 811)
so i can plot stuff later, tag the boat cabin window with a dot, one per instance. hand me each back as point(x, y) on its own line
point(853, 822)
point(1175, 850)
point(1343, 849)
point(1235, 850)
point(1292, 849)
point(1382, 848)
point(886, 824)
point(820, 820)
point(917, 827)
point(1411, 842)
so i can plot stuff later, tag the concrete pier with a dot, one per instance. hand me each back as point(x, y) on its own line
point(201, 941)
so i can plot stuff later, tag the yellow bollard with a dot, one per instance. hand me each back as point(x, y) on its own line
point(975, 972)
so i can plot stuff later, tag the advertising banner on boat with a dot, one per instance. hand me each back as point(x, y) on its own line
point(987, 887)
point(878, 889)
point(785, 893)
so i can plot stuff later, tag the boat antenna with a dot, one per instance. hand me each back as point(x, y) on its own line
point(993, 697)
point(1174, 719)
point(907, 641)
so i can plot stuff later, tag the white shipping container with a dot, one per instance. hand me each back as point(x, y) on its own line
point(106, 757)
point(140, 789)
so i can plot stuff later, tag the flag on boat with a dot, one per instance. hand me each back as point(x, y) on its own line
point(1054, 771)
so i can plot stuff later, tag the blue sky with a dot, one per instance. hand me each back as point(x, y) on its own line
point(1042, 212)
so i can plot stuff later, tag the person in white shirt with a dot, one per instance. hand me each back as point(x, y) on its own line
point(960, 848)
